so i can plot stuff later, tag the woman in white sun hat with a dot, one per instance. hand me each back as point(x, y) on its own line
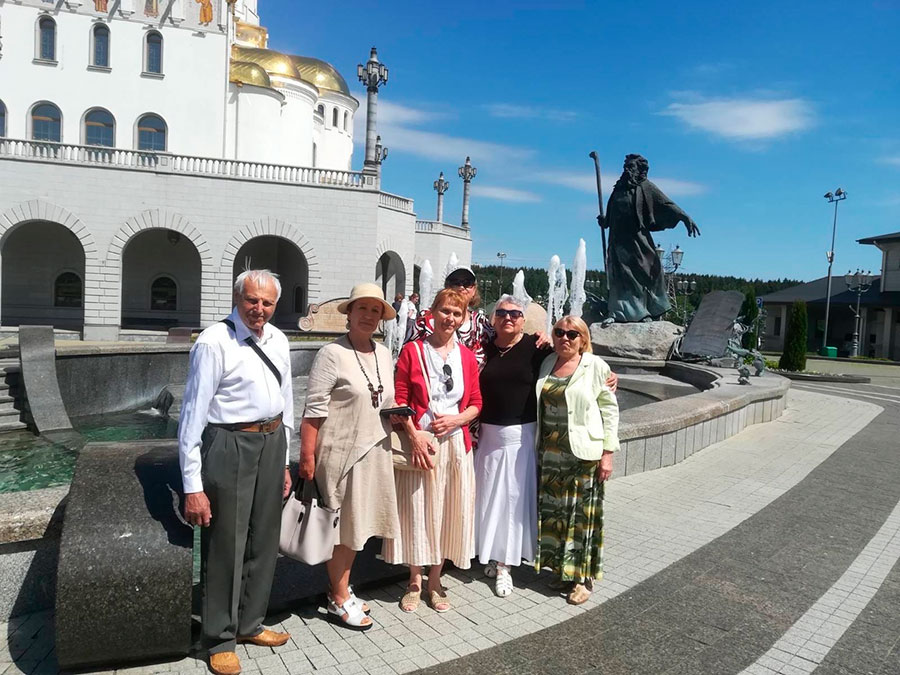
point(345, 442)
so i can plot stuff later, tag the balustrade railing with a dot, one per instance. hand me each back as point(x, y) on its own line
point(395, 202)
point(164, 162)
point(438, 227)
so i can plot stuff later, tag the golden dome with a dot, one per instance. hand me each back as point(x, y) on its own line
point(249, 73)
point(274, 63)
point(320, 73)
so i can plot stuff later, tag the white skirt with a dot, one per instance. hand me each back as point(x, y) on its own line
point(506, 493)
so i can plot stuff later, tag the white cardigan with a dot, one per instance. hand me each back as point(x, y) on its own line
point(592, 407)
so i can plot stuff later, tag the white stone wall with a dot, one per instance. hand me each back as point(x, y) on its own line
point(189, 97)
point(341, 231)
point(436, 247)
point(891, 267)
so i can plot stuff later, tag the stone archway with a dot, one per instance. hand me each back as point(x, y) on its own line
point(284, 258)
point(196, 282)
point(390, 274)
point(41, 284)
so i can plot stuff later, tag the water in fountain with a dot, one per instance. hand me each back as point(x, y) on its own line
point(389, 326)
point(426, 285)
point(518, 290)
point(452, 264)
point(402, 320)
point(577, 296)
point(556, 293)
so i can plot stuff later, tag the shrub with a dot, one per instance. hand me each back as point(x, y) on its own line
point(749, 311)
point(794, 356)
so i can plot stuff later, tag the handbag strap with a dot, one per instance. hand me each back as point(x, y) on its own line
point(307, 490)
point(255, 347)
point(420, 352)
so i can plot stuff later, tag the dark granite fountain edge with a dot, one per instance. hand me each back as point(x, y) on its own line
point(29, 515)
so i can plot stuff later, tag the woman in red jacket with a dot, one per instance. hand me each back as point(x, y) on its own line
point(438, 378)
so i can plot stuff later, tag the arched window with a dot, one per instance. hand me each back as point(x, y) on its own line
point(299, 299)
point(334, 117)
point(46, 123)
point(314, 156)
point(164, 294)
point(346, 120)
point(67, 290)
point(99, 128)
point(153, 56)
point(2, 120)
point(321, 111)
point(46, 39)
point(151, 133)
point(100, 52)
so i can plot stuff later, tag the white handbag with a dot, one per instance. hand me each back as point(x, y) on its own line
point(308, 528)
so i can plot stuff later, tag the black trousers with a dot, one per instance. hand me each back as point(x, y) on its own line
point(243, 477)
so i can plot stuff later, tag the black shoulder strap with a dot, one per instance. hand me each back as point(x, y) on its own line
point(256, 348)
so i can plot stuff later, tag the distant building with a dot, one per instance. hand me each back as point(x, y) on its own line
point(879, 332)
point(149, 149)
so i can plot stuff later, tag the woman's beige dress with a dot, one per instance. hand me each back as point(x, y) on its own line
point(354, 467)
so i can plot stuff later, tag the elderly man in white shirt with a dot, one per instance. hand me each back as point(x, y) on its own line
point(236, 423)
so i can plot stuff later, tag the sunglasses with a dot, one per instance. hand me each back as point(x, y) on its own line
point(448, 371)
point(511, 313)
point(571, 334)
point(461, 283)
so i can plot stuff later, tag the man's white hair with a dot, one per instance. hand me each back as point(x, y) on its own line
point(512, 300)
point(258, 277)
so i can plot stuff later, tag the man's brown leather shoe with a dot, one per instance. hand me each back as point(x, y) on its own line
point(268, 638)
point(225, 663)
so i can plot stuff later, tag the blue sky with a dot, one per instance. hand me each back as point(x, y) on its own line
point(747, 112)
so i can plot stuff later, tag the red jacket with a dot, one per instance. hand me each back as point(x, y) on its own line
point(411, 384)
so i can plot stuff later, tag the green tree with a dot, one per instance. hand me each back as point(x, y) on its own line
point(750, 312)
point(794, 355)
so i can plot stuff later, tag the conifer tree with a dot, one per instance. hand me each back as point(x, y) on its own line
point(794, 355)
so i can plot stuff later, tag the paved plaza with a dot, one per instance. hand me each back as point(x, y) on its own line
point(772, 552)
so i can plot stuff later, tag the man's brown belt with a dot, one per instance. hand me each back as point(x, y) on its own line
point(263, 427)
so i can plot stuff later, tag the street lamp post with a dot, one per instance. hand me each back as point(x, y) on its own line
point(502, 257)
point(441, 186)
point(686, 288)
point(858, 282)
point(373, 74)
point(467, 173)
point(381, 152)
point(832, 197)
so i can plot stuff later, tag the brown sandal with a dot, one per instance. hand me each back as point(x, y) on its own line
point(578, 595)
point(409, 603)
point(439, 603)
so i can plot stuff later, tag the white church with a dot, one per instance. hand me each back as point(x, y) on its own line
point(150, 148)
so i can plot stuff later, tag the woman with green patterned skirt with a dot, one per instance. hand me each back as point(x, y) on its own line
point(578, 423)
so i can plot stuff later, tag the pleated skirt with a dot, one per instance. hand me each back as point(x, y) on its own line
point(436, 510)
point(506, 493)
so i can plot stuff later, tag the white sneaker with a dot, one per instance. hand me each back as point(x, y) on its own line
point(490, 570)
point(503, 585)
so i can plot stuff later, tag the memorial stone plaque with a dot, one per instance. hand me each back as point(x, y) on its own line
point(713, 323)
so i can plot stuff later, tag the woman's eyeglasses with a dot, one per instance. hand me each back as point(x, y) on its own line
point(571, 334)
point(511, 313)
point(448, 372)
point(460, 283)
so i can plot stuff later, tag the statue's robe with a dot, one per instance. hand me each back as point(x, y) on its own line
point(637, 285)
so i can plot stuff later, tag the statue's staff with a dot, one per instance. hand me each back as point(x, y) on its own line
point(601, 219)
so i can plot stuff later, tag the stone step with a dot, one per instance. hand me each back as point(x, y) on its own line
point(6, 413)
point(7, 402)
point(11, 425)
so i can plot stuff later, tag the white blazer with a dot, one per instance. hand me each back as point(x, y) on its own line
point(592, 407)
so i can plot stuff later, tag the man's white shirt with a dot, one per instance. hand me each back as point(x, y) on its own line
point(228, 383)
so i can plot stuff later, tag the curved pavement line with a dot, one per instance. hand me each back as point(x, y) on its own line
point(762, 511)
point(806, 644)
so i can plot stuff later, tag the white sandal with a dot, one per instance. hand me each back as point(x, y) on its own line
point(503, 585)
point(490, 570)
point(354, 612)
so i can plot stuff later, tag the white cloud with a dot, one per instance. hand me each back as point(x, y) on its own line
point(587, 182)
point(516, 111)
point(504, 194)
point(893, 161)
point(745, 118)
point(396, 126)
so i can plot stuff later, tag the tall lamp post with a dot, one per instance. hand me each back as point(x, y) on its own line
point(441, 186)
point(373, 74)
point(686, 288)
point(832, 197)
point(502, 257)
point(467, 173)
point(858, 282)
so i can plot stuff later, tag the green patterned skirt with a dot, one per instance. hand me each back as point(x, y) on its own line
point(570, 516)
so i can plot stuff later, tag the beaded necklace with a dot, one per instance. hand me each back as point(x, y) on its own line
point(376, 394)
